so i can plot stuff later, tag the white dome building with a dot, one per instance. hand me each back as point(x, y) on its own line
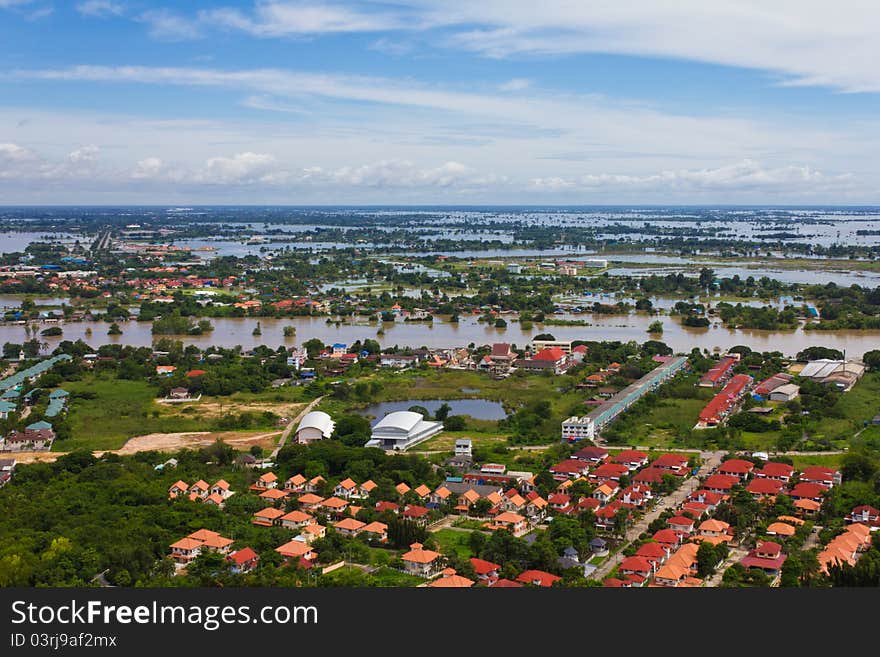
point(314, 426)
point(402, 429)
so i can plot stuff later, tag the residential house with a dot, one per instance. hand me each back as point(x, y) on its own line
point(739, 468)
point(512, 522)
point(376, 531)
point(613, 471)
point(199, 489)
point(177, 489)
point(349, 526)
point(486, 571)
point(243, 561)
point(366, 488)
point(720, 483)
point(418, 514)
point(767, 556)
point(422, 562)
point(383, 506)
point(674, 463)
point(604, 492)
point(296, 519)
point(537, 578)
point(571, 468)
point(716, 531)
point(865, 514)
point(296, 550)
point(312, 532)
point(346, 489)
point(295, 484)
point(273, 495)
point(221, 488)
point(633, 459)
point(310, 502)
point(591, 454)
point(334, 505)
point(451, 580)
point(816, 474)
point(681, 524)
point(265, 481)
point(267, 517)
point(314, 484)
point(808, 491)
point(772, 470)
point(635, 565)
point(765, 487)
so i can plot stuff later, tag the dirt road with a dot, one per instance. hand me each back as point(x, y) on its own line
point(165, 442)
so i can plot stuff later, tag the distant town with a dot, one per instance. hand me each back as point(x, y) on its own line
point(350, 415)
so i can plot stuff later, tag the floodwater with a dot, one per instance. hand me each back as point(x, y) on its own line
point(230, 332)
point(15, 242)
point(11, 301)
point(479, 409)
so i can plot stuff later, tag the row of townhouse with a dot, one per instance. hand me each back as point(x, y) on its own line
point(670, 558)
point(215, 494)
point(848, 546)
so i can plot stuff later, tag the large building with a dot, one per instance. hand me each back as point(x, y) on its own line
point(590, 425)
point(842, 374)
point(576, 428)
point(401, 430)
point(314, 426)
point(722, 405)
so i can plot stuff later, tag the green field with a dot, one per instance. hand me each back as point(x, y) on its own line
point(856, 407)
point(451, 541)
point(512, 392)
point(119, 410)
point(446, 441)
point(105, 412)
point(389, 577)
point(825, 460)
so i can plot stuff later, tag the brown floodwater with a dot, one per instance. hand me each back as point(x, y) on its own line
point(229, 332)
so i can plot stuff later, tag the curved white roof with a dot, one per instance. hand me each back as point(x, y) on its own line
point(317, 420)
point(402, 420)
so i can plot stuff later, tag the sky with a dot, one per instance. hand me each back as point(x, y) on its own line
point(439, 102)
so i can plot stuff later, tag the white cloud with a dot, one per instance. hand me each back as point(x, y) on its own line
point(392, 47)
point(516, 84)
point(150, 168)
point(279, 19)
point(741, 176)
point(168, 26)
point(100, 8)
point(804, 42)
point(240, 168)
point(13, 3)
point(391, 173)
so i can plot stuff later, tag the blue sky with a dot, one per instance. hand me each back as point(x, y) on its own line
point(422, 101)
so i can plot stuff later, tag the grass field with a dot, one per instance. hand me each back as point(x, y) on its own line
point(446, 441)
point(512, 392)
point(390, 577)
point(122, 409)
point(451, 541)
point(826, 460)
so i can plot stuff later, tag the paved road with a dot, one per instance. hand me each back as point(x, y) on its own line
point(711, 461)
point(706, 454)
point(293, 423)
point(736, 554)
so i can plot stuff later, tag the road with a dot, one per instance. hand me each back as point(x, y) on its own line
point(293, 423)
point(711, 461)
point(102, 242)
point(736, 554)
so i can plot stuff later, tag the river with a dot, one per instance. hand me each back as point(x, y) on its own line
point(229, 332)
